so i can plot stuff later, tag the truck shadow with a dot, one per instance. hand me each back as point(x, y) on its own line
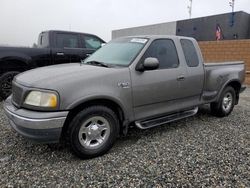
point(135, 134)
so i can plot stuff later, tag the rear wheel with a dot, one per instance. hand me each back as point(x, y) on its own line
point(225, 104)
point(6, 83)
point(93, 131)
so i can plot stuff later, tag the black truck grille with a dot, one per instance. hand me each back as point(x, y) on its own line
point(17, 94)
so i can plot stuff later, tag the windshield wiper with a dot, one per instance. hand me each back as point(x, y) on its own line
point(97, 63)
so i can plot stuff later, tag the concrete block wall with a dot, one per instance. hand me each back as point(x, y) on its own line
point(156, 29)
point(227, 50)
point(202, 29)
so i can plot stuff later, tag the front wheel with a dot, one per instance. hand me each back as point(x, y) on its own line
point(225, 104)
point(6, 83)
point(93, 131)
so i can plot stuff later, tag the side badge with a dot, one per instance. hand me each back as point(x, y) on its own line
point(123, 84)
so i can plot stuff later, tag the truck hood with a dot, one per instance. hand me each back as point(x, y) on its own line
point(52, 77)
point(75, 82)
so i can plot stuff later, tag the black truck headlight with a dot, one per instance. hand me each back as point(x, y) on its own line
point(41, 99)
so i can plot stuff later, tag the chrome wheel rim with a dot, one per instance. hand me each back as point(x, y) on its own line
point(227, 101)
point(94, 132)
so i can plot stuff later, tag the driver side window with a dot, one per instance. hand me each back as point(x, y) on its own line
point(165, 51)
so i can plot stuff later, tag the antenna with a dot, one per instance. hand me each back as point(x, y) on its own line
point(190, 8)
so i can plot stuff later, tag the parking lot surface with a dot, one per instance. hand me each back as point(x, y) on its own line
point(199, 151)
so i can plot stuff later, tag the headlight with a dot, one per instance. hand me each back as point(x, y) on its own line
point(41, 99)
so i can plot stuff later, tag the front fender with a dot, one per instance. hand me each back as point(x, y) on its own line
point(127, 109)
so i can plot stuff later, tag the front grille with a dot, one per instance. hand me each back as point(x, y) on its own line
point(17, 94)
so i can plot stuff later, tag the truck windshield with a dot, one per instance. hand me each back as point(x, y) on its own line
point(119, 52)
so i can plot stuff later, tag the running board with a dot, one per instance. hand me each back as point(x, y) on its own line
point(145, 124)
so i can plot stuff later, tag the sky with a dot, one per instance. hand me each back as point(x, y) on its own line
point(22, 20)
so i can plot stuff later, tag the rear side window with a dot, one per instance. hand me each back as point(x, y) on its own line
point(91, 42)
point(165, 51)
point(43, 40)
point(66, 40)
point(190, 53)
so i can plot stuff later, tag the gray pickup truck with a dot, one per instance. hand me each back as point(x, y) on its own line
point(144, 81)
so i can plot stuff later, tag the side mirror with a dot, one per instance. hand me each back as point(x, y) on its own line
point(149, 63)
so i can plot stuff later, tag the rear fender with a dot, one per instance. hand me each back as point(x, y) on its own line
point(14, 64)
point(232, 83)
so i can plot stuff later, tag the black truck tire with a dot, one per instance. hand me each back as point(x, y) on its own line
point(93, 131)
point(224, 106)
point(6, 83)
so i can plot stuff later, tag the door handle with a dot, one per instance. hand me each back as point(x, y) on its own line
point(59, 53)
point(181, 78)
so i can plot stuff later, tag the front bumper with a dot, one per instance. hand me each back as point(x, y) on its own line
point(43, 127)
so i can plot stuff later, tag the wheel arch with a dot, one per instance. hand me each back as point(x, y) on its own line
point(236, 84)
point(14, 64)
point(110, 103)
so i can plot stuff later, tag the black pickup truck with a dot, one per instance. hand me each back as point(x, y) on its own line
point(54, 47)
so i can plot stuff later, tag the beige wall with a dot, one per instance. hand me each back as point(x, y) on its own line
point(227, 50)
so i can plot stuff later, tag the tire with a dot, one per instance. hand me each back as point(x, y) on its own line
point(93, 131)
point(225, 104)
point(6, 83)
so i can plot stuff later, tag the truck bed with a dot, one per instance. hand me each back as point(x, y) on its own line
point(218, 74)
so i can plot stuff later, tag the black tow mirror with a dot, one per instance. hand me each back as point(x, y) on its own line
point(149, 63)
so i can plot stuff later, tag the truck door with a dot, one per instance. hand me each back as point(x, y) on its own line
point(159, 91)
point(195, 71)
point(66, 46)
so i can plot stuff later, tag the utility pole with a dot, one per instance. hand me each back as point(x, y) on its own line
point(190, 8)
point(231, 4)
